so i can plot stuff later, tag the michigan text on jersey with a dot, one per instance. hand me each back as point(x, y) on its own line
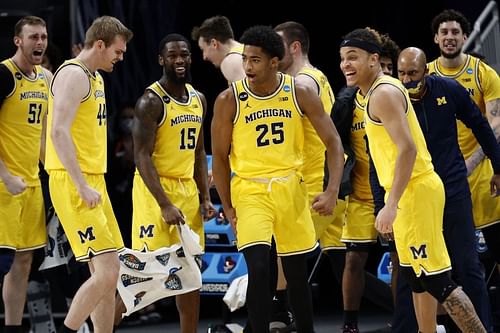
point(268, 113)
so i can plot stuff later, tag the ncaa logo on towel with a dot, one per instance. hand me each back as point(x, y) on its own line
point(132, 262)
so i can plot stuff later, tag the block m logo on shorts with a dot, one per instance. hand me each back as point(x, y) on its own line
point(88, 235)
point(421, 252)
point(146, 231)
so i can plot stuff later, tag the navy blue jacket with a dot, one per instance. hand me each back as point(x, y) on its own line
point(444, 101)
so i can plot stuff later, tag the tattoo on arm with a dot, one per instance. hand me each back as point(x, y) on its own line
point(494, 119)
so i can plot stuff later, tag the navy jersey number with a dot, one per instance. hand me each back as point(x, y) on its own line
point(277, 135)
point(34, 113)
point(188, 138)
point(101, 114)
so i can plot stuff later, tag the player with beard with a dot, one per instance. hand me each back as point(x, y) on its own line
point(171, 177)
point(450, 29)
point(23, 106)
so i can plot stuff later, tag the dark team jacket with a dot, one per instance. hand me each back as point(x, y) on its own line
point(444, 101)
point(341, 115)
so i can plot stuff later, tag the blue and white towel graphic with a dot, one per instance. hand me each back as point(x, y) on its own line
point(146, 277)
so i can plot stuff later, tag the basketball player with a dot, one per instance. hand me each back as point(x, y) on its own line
point(76, 162)
point(359, 233)
point(23, 106)
point(328, 228)
point(215, 38)
point(451, 29)
point(438, 102)
point(258, 120)
point(414, 200)
point(171, 163)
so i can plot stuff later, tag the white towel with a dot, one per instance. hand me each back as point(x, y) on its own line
point(146, 277)
point(236, 294)
point(57, 250)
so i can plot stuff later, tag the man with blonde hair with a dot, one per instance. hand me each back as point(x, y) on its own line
point(76, 162)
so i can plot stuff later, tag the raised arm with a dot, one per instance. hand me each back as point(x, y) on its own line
point(222, 131)
point(70, 86)
point(201, 170)
point(387, 105)
point(310, 104)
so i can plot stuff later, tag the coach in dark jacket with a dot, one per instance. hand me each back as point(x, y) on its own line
point(438, 102)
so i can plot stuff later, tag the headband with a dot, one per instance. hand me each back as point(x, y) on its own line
point(367, 46)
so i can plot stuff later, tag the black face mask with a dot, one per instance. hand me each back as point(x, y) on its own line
point(125, 125)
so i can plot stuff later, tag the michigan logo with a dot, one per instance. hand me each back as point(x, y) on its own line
point(88, 235)
point(421, 252)
point(146, 231)
point(441, 100)
point(132, 261)
point(128, 280)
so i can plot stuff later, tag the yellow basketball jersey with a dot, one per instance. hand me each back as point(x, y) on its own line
point(483, 85)
point(360, 172)
point(177, 134)
point(383, 150)
point(314, 149)
point(268, 135)
point(88, 130)
point(237, 49)
point(21, 117)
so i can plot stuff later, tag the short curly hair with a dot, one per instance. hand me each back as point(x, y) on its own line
point(451, 15)
point(266, 38)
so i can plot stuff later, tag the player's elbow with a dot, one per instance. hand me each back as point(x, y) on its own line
point(58, 134)
point(409, 151)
